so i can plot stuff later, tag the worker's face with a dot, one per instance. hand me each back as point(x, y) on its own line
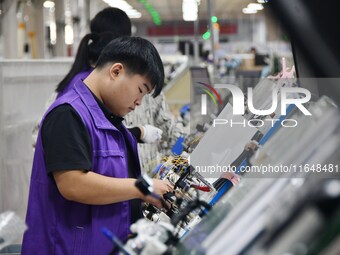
point(125, 91)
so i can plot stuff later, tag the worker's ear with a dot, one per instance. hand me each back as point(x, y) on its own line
point(115, 70)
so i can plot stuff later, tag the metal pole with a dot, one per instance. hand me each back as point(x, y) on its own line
point(196, 41)
point(212, 40)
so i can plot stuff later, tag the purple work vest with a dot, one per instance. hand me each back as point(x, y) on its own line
point(57, 226)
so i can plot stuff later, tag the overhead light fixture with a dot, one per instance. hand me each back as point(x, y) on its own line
point(249, 11)
point(133, 14)
point(53, 32)
point(254, 6)
point(48, 4)
point(124, 6)
point(262, 1)
point(190, 10)
point(68, 35)
point(189, 16)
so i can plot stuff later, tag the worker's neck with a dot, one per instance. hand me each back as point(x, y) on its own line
point(93, 82)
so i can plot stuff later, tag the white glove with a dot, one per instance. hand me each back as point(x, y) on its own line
point(151, 134)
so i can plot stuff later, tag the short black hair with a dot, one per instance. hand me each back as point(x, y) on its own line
point(138, 56)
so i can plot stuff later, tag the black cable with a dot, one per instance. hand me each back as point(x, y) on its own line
point(245, 155)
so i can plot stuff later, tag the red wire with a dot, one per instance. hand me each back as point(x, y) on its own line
point(202, 188)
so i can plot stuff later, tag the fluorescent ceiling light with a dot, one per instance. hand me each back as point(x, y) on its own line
point(53, 32)
point(133, 14)
point(189, 6)
point(262, 1)
point(257, 7)
point(190, 10)
point(48, 4)
point(248, 11)
point(123, 5)
point(68, 35)
point(190, 16)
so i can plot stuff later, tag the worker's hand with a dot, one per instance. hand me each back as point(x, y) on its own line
point(150, 134)
point(160, 187)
